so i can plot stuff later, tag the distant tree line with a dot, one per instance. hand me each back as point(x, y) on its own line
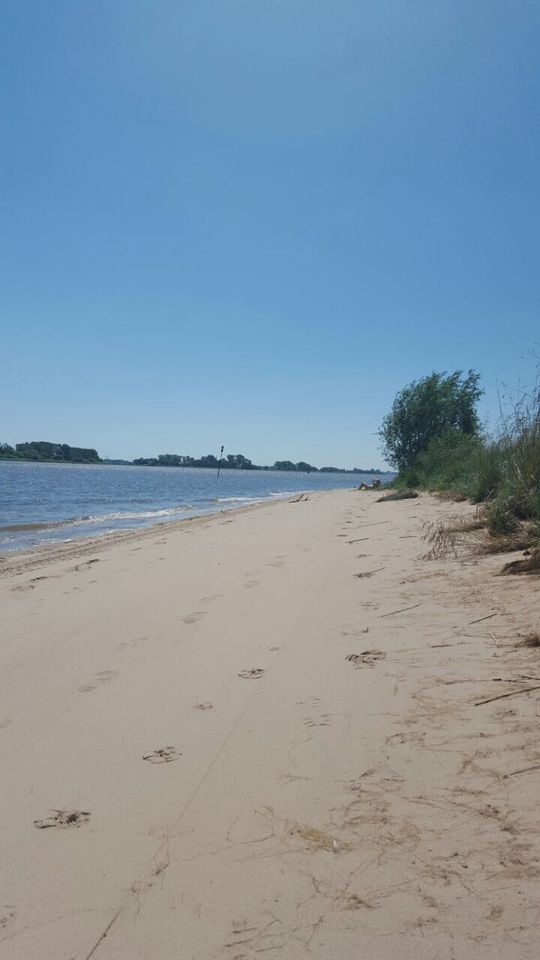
point(237, 461)
point(43, 450)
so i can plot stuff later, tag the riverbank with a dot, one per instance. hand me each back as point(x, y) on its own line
point(273, 730)
point(44, 503)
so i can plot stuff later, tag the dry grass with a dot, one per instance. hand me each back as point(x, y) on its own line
point(445, 537)
point(523, 539)
point(452, 496)
point(467, 524)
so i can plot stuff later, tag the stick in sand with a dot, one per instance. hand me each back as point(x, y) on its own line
point(403, 609)
point(488, 617)
point(377, 523)
point(513, 693)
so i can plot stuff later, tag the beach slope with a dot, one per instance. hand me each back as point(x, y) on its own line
point(274, 733)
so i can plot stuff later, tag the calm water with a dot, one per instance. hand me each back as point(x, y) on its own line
point(46, 502)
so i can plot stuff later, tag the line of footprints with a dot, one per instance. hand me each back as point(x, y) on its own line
point(69, 819)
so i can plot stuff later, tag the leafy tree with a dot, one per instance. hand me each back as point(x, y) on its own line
point(435, 406)
point(6, 451)
point(237, 461)
point(284, 465)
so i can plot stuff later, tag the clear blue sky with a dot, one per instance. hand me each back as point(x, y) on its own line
point(251, 222)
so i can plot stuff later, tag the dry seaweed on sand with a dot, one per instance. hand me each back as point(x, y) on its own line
point(530, 640)
point(530, 564)
point(399, 495)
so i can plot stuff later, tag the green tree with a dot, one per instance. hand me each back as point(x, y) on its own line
point(433, 407)
point(284, 465)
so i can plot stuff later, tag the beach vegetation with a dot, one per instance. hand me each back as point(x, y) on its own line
point(500, 472)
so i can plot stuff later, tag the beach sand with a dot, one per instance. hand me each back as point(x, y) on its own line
point(260, 734)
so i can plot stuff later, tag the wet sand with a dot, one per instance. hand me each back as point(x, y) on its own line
point(263, 733)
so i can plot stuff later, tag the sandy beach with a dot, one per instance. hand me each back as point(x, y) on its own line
point(269, 733)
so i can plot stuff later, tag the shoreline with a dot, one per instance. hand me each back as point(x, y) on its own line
point(278, 730)
point(80, 546)
point(82, 504)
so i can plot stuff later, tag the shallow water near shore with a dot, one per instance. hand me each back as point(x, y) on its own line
point(49, 502)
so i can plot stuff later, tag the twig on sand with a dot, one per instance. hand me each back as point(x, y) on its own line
point(489, 616)
point(524, 770)
point(377, 523)
point(368, 573)
point(402, 610)
point(512, 693)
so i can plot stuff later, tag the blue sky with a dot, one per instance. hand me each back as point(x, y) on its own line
point(251, 223)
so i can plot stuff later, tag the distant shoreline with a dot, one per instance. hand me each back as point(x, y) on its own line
point(181, 466)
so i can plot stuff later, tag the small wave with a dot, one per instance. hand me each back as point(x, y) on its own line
point(235, 499)
point(94, 519)
point(45, 525)
point(137, 515)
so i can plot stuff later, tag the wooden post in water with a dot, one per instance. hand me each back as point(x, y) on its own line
point(219, 464)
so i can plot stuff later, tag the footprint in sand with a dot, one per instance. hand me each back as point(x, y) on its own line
point(7, 914)
point(254, 674)
point(368, 658)
point(194, 617)
point(64, 819)
point(322, 721)
point(163, 755)
point(133, 643)
point(85, 565)
point(211, 597)
point(104, 676)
